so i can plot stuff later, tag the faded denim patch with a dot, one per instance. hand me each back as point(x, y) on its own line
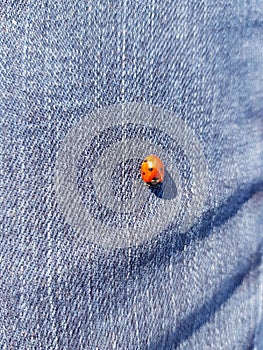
point(84, 176)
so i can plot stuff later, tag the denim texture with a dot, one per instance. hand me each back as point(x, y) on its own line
point(90, 258)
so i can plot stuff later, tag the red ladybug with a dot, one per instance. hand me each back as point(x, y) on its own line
point(152, 170)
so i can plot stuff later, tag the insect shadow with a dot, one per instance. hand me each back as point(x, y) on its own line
point(166, 190)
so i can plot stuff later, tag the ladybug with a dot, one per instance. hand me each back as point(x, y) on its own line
point(152, 170)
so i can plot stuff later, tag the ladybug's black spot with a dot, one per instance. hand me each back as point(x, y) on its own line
point(143, 173)
point(150, 169)
point(145, 160)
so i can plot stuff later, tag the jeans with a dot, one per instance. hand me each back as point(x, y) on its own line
point(91, 258)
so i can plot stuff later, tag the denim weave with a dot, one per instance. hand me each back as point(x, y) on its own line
point(90, 257)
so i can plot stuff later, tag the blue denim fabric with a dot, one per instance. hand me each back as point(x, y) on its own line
point(91, 258)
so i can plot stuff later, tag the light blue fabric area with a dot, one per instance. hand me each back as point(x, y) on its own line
point(197, 286)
